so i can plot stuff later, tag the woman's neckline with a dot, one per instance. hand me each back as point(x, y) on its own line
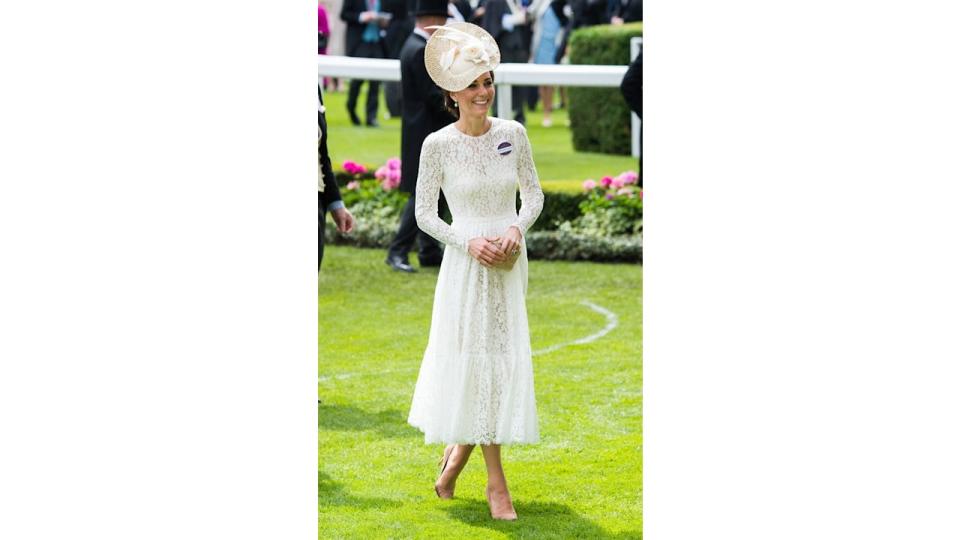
point(489, 129)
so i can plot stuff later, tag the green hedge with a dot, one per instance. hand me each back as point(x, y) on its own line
point(600, 117)
point(557, 208)
point(572, 226)
point(562, 246)
point(375, 232)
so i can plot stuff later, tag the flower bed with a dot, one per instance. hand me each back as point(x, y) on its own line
point(604, 223)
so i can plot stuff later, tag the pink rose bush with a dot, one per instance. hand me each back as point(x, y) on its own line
point(622, 185)
point(612, 207)
point(372, 196)
point(366, 191)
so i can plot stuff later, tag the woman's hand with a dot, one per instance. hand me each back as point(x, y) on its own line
point(511, 254)
point(485, 251)
point(510, 241)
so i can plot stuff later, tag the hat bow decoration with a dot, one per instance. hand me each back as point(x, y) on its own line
point(458, 53)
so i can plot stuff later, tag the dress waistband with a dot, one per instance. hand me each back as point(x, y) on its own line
point(463, 220)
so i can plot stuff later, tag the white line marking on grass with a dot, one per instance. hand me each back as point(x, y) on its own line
point(612, 322)
point(341, 376)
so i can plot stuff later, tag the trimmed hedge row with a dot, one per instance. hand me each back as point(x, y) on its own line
point(600, 117)
point(547, 245)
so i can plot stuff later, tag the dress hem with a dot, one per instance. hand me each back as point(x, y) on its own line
point(464, 441)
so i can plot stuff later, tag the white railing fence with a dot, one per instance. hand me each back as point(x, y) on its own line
point(507, 75)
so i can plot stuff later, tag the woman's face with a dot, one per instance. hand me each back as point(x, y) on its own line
point(476, 99)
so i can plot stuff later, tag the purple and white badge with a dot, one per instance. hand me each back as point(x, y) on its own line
point(504, 148)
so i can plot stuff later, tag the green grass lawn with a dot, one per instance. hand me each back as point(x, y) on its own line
point(559, 167)
point(376, 474)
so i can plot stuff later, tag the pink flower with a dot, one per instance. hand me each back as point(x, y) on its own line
point(390, 182)
point(625, 191)
point(394, 175)
point(606, 181)
point(352, 167)
point(393, 163)
point(617, 183)
point(589, 184)
point(353, 185)
point(629, 177)
point(381, 173)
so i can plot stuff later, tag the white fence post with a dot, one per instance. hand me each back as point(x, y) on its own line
point(504, 101)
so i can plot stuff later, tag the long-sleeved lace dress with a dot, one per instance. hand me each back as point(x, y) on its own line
point(476, 379)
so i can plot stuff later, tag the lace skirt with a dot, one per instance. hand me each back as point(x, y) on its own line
point(476, 380)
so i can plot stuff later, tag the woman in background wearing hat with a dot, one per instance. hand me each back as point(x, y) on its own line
point(476, 381)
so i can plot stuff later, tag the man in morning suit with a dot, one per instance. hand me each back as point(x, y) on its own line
point(364, 40)
point(328, 194)
point(422, 113)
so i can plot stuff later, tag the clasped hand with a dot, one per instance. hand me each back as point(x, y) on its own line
point(496, 251)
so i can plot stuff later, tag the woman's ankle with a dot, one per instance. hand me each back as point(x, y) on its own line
point(497, 488)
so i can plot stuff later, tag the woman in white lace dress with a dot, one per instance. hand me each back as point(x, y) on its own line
point(476, 380)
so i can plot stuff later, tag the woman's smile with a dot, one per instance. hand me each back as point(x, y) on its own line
point(478, 96)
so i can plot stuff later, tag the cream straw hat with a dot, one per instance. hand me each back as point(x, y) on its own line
point(458, 53)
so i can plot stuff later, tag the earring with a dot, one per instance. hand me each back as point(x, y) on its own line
point(455, 104)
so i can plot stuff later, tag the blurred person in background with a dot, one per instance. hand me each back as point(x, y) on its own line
point(547, 37)
point(365, 23)
point(335, 34)
point(578, 14)
point(400, 25)
point(508, 21)
point(323, 35)
point(323, 29)
point(626, 11)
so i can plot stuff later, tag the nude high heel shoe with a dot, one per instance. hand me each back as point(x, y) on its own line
point(505, 515)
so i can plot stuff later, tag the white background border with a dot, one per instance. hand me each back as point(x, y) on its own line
point(800, 289)
point(158, 233)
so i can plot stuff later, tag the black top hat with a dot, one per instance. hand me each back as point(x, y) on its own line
point(431, 7)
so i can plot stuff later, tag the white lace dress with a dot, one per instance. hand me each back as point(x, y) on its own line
point(476, 379)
